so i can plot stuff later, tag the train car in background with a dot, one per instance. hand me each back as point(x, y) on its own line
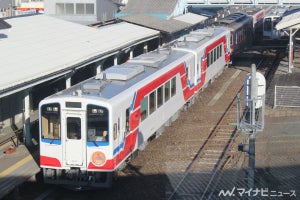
point(240, 26)
point(89, 131)
point(257, 15)
point(269, 23)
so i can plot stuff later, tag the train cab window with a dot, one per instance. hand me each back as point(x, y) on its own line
point(97, 123)
point(167, 91)
point(173, 86)
point(74, 128)
point(160, 96)
point(267, 24)
point(152, 102)
point(50, 121)
point(144, 108)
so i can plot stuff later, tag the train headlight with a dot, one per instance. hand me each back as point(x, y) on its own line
point(98, 158)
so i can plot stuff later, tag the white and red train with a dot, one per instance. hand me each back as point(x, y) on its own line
point(87, 132)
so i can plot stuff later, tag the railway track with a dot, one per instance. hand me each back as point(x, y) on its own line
point(215, 154)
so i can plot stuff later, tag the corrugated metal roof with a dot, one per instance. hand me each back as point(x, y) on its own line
point(191, 18)
point(167, 26)
point(150, 6)
point(38, 46)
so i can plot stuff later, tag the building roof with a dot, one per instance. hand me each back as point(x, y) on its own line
point(150, 6)
point(166, 26)
point(289, 21)
point(191, 18)
point(38, 48)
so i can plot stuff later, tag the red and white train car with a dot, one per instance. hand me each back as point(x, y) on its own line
point(88, 131)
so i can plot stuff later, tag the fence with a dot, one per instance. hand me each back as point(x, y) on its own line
point(287, 96)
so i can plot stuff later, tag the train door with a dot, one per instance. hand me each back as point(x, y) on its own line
point(190, 71)
point(75, 150)
point(116, 135)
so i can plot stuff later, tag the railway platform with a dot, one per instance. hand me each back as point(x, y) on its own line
point(18, 164)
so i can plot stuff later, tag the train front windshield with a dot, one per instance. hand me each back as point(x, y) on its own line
point(51, 121)
point(267, 24)
point(97, 124)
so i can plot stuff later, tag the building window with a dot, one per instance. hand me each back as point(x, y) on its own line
point(60, 8)
point(89, 8)
point(79, 8)
point(69, 8)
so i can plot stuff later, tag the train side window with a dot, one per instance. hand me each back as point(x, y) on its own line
point(211, 58)
point(115, 131)
point(144, 108)
point(160, 96)
point(215, 54)
point(167, 91)
point(51, 121)
point(208, 59)
point(152, 102)
point(173, 86)
point(127, 120)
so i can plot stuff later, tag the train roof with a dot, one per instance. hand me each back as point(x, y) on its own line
point(234, 21)
point(233, 18)
point(119, 78)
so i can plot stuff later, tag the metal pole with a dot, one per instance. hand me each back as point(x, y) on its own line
point(252, 133)
point(26, 130)
point(291, 52)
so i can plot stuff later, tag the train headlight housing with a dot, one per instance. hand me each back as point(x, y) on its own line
point(98, 158)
